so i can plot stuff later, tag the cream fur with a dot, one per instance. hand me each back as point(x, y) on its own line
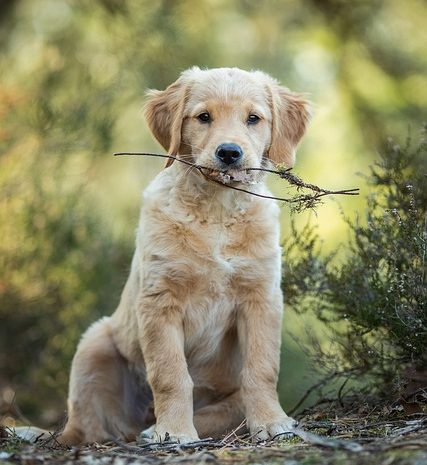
point(198, 327)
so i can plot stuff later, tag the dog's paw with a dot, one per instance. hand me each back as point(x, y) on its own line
point(154, 434)
point(281, 429)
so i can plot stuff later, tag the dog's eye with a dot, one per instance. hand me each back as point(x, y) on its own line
point(204, 117)
point(253, 119)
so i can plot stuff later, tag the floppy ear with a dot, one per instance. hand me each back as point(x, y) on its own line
point(291, 113)
point(164, 112)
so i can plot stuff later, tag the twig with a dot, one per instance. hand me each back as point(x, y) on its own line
point(234, 431)
point(173, 446)
point(340, 391)
point(309, 199)
point(51, 439)
point(319, 384)
point(411, 426)
point(327, 442)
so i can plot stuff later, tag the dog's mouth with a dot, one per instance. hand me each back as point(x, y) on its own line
point(232, 176)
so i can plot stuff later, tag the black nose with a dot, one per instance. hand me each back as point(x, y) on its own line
point(229, 153)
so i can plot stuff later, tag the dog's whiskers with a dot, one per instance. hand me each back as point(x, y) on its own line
point(186, 172)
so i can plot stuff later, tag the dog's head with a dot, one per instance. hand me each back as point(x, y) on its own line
point(228, 119)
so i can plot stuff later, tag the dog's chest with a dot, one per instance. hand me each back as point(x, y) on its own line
point(226, 252)
point(210, 309)
point(205, 265)
point(207, 259)
point(217, 270)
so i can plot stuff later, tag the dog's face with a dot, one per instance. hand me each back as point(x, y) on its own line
point(227, 119)
point(227, 123)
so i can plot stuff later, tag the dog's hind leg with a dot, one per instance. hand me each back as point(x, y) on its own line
point(106, 400)
point(216, 419)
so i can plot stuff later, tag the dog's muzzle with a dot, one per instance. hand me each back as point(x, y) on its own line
point(229, 154)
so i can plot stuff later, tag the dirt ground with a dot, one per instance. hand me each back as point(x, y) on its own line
point(354, 434)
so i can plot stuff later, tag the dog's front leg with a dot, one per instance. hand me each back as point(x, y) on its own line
point(259, 329)
point(162, 341)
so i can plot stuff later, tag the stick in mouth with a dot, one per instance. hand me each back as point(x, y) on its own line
point(300, 202)
point(232, 175)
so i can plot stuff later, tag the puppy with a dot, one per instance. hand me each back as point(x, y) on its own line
point(197, 331)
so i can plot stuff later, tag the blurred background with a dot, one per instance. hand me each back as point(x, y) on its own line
point(72, 81)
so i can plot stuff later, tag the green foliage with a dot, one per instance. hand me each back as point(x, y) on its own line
point(73, 76)
point(59, 265)
point(375, 300)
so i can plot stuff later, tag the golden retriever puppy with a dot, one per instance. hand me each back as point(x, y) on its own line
point(197, 332)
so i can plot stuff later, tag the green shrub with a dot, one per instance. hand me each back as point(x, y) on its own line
point(375, 299)
point(58, 273)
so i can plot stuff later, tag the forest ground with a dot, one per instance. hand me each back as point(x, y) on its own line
point(341, 432)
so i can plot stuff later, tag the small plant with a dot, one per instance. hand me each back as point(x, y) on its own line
point(375, 300)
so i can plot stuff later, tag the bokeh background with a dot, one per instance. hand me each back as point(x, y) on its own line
point(72, 81)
